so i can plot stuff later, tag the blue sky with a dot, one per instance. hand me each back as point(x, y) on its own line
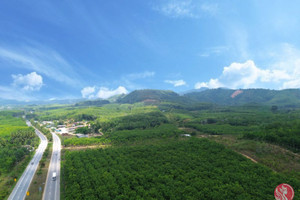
point(91, 49)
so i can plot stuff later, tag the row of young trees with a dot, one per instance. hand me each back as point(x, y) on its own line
point(286, 134)
point(85, 141)
point(135, 121)
point(130, 136)
point(181, 169)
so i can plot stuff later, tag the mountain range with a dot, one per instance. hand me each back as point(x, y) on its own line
point(220, 96)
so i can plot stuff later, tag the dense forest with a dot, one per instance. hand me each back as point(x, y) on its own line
point(178, 169)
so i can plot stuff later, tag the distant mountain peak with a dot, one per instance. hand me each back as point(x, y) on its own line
point(148, 95)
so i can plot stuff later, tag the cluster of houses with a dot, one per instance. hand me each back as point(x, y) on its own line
point(68, 128)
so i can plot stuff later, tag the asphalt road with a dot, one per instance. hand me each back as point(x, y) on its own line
point(52, 188)
point(21, 188)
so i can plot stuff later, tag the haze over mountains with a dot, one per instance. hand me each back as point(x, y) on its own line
point(221, 96)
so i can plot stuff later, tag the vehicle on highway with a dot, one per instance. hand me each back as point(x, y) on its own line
point(32, 163)
point(54, 176)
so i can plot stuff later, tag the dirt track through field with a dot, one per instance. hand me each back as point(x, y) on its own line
point(85, 147)
point(248, 157)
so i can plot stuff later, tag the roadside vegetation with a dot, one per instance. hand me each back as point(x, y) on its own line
point(44, 130)
point(17, 145)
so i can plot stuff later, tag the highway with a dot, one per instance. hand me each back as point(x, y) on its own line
point(21, 188)
point(52, 188)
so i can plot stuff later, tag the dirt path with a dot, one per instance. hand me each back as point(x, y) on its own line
point(85, 147)
point(248, 157)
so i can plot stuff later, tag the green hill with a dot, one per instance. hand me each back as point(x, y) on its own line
point(153, 96)
point(221, 96)
point(98, 102)
point(288, 98)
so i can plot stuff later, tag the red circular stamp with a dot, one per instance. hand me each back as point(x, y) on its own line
point(284, 192)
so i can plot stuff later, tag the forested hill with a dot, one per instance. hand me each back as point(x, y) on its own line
point(153, 96)
point(98, 102)
point(289, 97)
point(221, 96)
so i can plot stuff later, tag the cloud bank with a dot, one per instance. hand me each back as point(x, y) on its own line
point(247, 75)
point(176, 83)
point(103, 92)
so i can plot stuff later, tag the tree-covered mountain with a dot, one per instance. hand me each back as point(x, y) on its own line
point(153, 96)
point(221, 96)
point(115, 98)
point(288, 97)
point(98, 102)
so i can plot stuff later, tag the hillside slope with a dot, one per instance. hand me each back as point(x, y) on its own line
point(289, 97)
point(154, 96)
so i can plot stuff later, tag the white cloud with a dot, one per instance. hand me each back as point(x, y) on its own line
point(295, 83)
point(178, 9)
point(135, 76)
point(29, 82)
point(246, 75)
point(132, 82)
point(105, 93)
point(211, 8)
point(213, 83)
point(240, 74)
point(187, 8)
point(286, 58)
point(88, 92)
point(284, 62)
point(42, 60)
point(176, 83)
point(216, 50)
